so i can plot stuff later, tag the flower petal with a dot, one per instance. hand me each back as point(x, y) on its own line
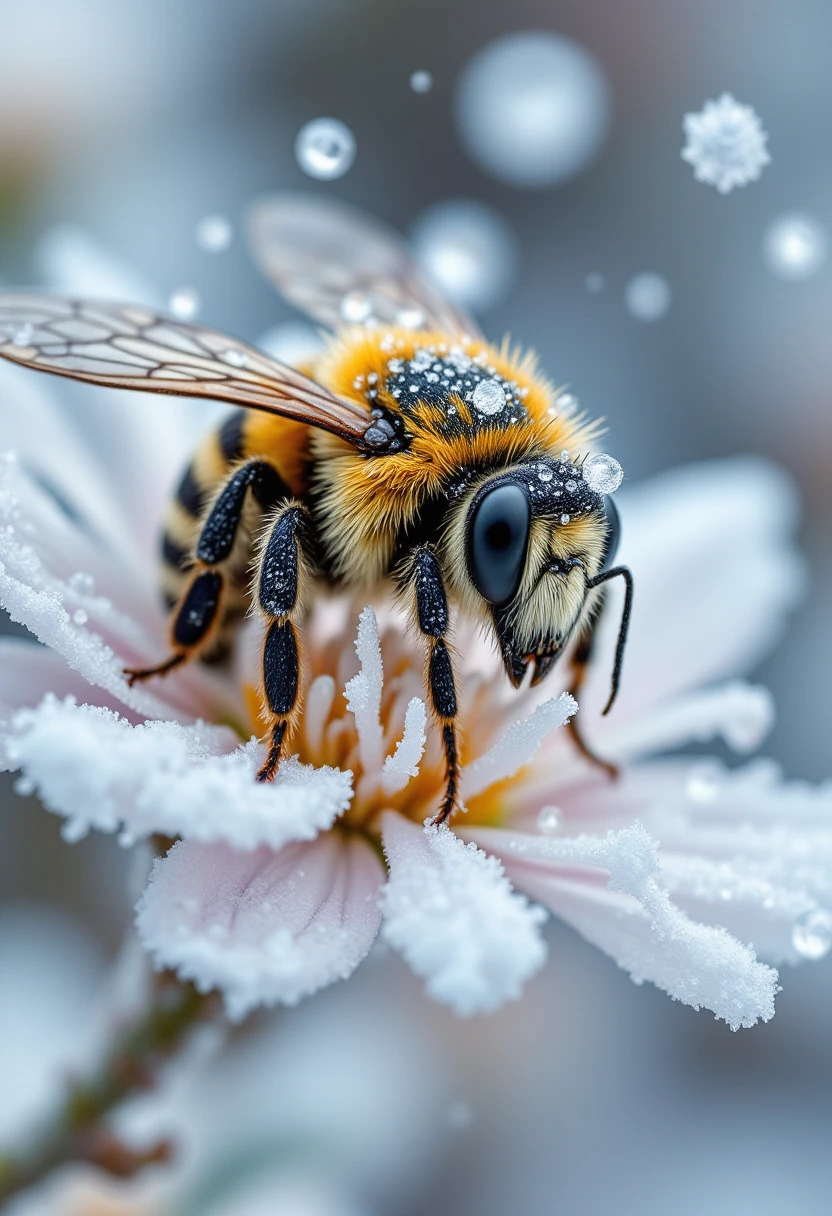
point(606, 887)
point(716, 574)
point(519, 744)
point(95, 769)
point(364, 690)
point(265, 928)
point(61, 582)
point(452, 913)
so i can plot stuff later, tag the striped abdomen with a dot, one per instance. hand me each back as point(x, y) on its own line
point(243, 436)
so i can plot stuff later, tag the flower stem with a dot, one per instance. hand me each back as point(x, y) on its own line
point(78, 1131)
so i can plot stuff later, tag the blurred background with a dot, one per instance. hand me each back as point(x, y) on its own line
point(132, 123)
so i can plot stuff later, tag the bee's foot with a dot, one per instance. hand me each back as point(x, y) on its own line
point(137, 675)
point(613, 771)
point(269, 770)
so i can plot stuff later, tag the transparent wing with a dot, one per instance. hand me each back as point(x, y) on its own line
point(126, 346)
point(340, 265)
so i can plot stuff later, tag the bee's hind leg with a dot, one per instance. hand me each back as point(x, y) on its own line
point(198, 616)
point(286, 562)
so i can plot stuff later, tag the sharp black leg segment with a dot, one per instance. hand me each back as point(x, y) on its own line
point(580, 664)
point(197, 617)
point(285, 561)
point(424, 576)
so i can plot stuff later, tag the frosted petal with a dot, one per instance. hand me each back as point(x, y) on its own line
point(264, 928)
point(517, 746)
point(364, 692)
point(451, 912)
point(404, 763)
point(607, 887)
point(97, 771)
point(712, 551)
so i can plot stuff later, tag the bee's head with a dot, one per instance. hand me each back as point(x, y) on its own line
point(535, 538)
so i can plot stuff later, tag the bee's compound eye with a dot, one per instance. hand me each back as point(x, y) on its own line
point(498, 536)
point(613, 536)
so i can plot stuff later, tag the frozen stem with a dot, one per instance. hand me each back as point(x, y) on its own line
point(78, 1131)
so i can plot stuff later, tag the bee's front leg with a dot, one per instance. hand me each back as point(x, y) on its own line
point(285, 564)
point(422, 576)
point(580, 660)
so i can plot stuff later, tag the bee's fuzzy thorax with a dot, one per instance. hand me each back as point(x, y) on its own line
point(365, 502)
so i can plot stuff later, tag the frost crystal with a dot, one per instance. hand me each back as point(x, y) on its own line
point(266, 928)
point(96, 770)
point(726, 144)
point(452, 913)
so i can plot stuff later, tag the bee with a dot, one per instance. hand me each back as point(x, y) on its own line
point(409, 453)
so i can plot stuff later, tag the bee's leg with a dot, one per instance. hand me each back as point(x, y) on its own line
point(286, 563)
point(195, 619)
point(424, 577)
point(581, 658)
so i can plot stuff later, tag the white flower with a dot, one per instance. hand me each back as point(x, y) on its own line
point(274, 891)
point(726, 144)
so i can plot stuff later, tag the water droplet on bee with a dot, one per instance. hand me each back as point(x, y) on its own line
point(489, 397)
point(564, 519)
point(544, 473)
point(602, 473)
point(236, 358)
point(325, 148)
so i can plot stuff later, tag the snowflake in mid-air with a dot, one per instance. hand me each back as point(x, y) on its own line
point(726, 144)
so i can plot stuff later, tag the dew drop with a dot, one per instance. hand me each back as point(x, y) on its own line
point(356, 307)
point(571, 485)
point(812, 934)
point(549, 820)
point(421, 81)
point(23, 335)
point(564, 519)
point(235, 357)
point(80, 617)
point(602, 473)
point(185, 303)
point(214, 233)
point(544, 473)
point(489, 397)
point(325, 148)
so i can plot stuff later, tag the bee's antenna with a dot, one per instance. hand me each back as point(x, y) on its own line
point(617, 572)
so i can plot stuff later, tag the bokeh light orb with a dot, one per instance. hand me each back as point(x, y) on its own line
point(468, 249)
point(795, 247)
point(532, 109)
point(647, 296)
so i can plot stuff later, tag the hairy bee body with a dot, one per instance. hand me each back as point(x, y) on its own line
point(368, 512)
point(410, 453)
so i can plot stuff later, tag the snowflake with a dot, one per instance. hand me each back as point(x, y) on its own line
point(726, 144)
